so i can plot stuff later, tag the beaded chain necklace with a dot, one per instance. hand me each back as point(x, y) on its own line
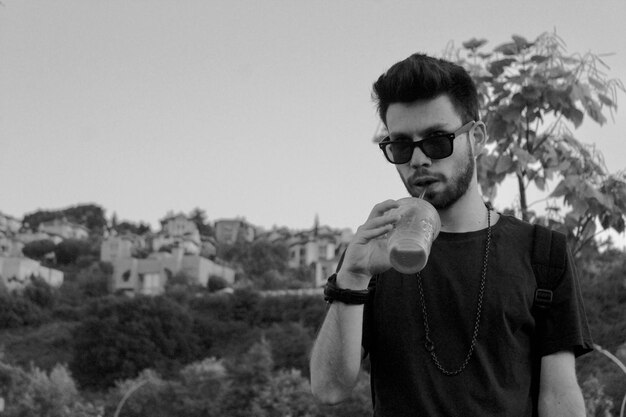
point(429, 344)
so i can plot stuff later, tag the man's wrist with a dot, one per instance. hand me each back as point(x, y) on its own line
point(351, 281)
point(334, 293)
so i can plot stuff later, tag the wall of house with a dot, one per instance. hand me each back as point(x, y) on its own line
point(15, 273)
point(115, 247)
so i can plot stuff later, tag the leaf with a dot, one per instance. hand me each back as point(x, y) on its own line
point(512, 112)
point(507, 49)
point(522, 156)
point(504, 164)
point(594, 111)
point(531, 93)
point(605, 100)
point(540, 182)
point(521, 42)
point(565, 187)
point(497, 67)
point(573, 115)
point(474, 43)
point(539, 59)
point(597, 84)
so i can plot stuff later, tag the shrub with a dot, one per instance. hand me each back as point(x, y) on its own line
point(120, 337)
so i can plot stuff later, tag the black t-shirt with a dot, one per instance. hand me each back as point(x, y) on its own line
point(499, 376)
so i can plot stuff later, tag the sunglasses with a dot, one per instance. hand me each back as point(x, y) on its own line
point(437, 146)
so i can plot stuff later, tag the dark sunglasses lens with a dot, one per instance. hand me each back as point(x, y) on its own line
point(437, 148)
point(400, 153)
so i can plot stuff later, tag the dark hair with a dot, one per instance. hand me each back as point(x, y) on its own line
point(421, 77)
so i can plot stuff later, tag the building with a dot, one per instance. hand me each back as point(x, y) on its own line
point(229, 231)
point(116, 247)
point(150, 276)
point(63, 229)
point(9, 225)
point(15, 273)
point(178, 231)
point(320, 247)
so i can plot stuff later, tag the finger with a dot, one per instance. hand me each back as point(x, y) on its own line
point(365, 235)
point(387, 218)
point(380, 208)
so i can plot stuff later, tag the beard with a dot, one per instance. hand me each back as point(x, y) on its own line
point(455, 187)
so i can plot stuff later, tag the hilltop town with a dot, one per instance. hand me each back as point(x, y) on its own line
point(142, 261)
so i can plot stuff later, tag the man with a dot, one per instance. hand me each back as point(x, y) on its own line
point(459, 338)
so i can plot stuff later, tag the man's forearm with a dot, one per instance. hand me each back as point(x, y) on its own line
point(336, 354)
point(568, 402)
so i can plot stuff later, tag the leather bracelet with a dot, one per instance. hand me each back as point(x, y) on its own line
point(333, 293)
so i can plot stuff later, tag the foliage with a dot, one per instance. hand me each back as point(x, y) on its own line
point(603, 285)
point(597, 403)
point(256, 258)
point(39, 293)
point(37, 393)
point(89, 215)
point(38, 249)
point(44, 346)
point(120, 337)
point(290, 343)
point(124, 227)
point(532, 93)
point(198, 216)
point(216, 283)
point(17, 311)
point(94, 280)
point(69, 250)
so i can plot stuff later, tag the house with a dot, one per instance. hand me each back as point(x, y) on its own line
point(114, 247)
point(178, 231)
point(229, 231)
point(15, 273)
point(10, 245)
point(64, 229)
point(321, 247)
point(150, 276)
point(9, 225)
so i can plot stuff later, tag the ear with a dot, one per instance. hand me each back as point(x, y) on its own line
point(478, 135)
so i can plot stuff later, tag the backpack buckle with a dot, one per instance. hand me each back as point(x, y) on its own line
point(543, 298)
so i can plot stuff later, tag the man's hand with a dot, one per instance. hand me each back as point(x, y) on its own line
point(367, 252)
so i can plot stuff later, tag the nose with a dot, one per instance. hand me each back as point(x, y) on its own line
point(418, 159)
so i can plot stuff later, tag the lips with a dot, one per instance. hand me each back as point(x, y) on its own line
point(424, 182)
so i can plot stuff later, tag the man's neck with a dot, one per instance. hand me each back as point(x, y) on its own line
point(468, 214)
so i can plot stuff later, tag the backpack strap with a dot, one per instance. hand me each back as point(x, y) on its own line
point(548, 258)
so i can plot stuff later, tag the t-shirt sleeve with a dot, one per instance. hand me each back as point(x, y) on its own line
point(565, 326)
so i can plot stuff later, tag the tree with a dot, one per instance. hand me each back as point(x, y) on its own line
point(38, 249)
point(69, 250)
point(118, 338)
point(89, 215)
point(531, 94)
point(198, 216)
point(257, 258)
point(40, 293)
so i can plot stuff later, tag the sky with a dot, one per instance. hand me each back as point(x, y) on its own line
point(258, 109)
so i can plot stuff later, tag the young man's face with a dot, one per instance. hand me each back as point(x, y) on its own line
point(443, 180)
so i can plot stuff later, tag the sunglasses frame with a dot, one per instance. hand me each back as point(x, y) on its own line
point(383, 145)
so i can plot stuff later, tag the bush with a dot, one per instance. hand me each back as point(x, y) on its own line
point(216, 283)
point(16, 311)
point(120, 337)
point(40, 293)
point(37, 393)
point(38, 249)
point(68, 251)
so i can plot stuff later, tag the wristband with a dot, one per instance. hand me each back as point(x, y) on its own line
point(333, 293)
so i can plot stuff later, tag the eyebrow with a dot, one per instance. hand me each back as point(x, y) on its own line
point(437, 127)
